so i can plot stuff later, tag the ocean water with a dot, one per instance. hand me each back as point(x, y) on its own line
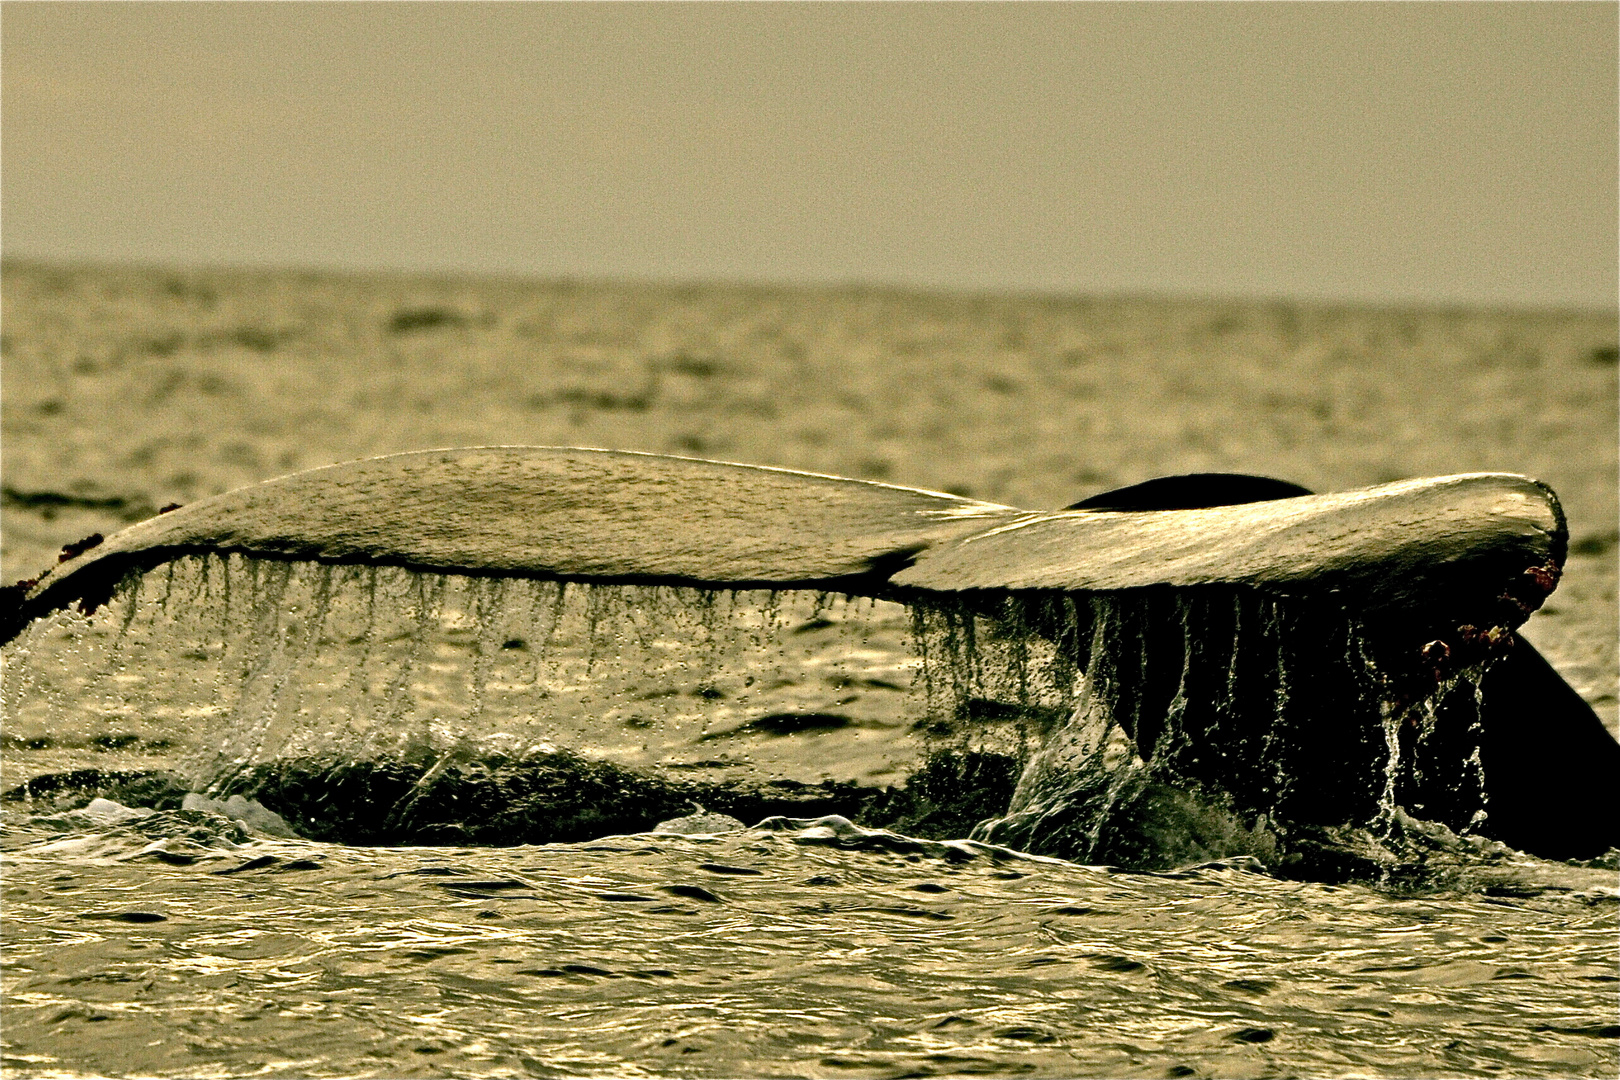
point(521, 829)
point(789, 949)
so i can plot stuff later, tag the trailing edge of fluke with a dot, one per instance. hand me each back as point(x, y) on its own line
point(1422, 557)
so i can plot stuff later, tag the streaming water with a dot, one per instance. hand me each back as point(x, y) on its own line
point(508, 827)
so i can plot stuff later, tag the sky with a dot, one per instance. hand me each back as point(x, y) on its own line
point(1452, 153)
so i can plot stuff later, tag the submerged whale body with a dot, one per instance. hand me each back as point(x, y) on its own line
point(1259, 645)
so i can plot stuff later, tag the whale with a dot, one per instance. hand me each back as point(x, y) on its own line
point(1437, 573)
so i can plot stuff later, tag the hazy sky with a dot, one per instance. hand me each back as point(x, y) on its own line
point(1436, 151)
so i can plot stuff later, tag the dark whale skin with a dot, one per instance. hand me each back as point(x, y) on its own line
point(1550, 765)
point(1192, 491)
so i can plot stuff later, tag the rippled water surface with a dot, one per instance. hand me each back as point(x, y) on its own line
point(181, 942)
point(803, 949)
point(172, 942)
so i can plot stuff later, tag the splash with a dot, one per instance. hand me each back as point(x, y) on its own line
point(375, 705)
point(384, 705)
point(1213, 723)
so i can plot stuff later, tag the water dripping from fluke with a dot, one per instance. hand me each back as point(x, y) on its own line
point(1149, 729)
point(972, 687)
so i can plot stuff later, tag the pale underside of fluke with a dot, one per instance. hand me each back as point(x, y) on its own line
point(1478, 549)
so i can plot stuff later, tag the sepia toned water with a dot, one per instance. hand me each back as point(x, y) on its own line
point(176, 941)
point(468, 876)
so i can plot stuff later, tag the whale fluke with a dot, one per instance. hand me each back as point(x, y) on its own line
point(1438, 571)
point(1429, 555)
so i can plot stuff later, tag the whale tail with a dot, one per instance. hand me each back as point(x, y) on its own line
point(1438, 571)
